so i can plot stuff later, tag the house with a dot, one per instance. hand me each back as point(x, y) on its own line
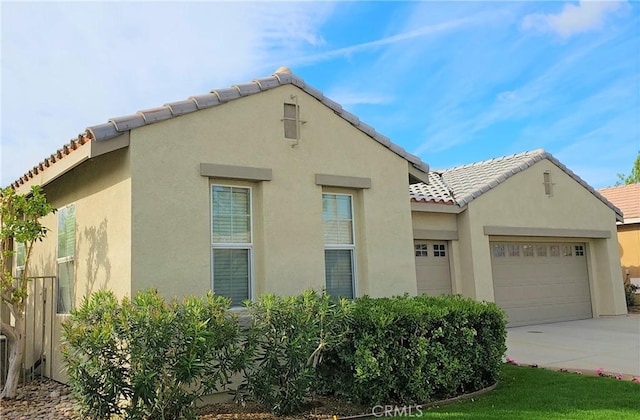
point(627, 198)
point(270, 186)
point(523, 231)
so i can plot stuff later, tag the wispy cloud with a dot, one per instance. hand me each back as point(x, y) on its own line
point(573, 19)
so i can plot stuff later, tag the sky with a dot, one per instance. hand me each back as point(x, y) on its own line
point(452, 82)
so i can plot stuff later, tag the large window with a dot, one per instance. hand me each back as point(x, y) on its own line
point(231, 242)
point(339, 244)
point(66, 253)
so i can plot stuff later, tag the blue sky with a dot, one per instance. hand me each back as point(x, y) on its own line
point(453, 82)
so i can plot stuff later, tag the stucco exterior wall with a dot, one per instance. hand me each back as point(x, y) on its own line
point(171, 218)
point(101, 191)
point(521, 202)
point(629, 245)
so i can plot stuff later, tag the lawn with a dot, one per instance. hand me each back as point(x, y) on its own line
point(530, 393)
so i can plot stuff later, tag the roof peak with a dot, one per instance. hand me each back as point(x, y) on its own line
point(529, 153)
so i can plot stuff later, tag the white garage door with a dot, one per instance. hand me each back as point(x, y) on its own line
point(541, 282)
point(432, 268)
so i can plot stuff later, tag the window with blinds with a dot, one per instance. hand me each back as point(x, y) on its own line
point(231, 242)
point(339, 244)
point(65, 260)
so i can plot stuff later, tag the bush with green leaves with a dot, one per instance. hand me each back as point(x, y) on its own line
point(416, 349)
point(630, 290)
point(145, 358)
point(287, 343)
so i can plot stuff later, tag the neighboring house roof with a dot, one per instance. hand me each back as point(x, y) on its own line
point(283, 76)
point(627, 198)
point(463, 184)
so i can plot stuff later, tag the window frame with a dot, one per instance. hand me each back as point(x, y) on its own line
point(233, 245)
point(65, 259)
point(351, 247)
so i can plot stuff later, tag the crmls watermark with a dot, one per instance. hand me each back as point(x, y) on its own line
point(397, 410)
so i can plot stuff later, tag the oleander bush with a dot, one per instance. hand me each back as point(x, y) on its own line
point(416, 349)
point(630, 290)
point(287, 343)
point(145, 358)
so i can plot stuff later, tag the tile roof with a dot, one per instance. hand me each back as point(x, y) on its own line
point(625, 197)
point(436, 191)
point(463, 184)
point(283, 76)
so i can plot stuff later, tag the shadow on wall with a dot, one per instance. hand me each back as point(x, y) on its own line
point(96, 241)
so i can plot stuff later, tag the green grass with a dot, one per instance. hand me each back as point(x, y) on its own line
point(529, 393)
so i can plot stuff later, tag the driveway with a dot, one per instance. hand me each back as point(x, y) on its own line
point(612, 343)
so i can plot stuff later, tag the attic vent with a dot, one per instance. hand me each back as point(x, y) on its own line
point(292, 121)
point(548, 183)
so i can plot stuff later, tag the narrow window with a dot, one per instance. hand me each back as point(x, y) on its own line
point(579, 250)
point(291, 121)
point(498, 250)
point(567, 250)
point(339, 245)
point(231, 242)
point(554, 250)
point(65, 260)
point(20, 259)
point(548, 184)
point(439, 250)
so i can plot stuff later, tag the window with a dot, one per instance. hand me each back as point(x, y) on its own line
point(541, 250)
point(422, 250)
point(527, 250)
point(567, 250)
point(498, 250)
point(66, 253)
point(554, 250)
point(438, 250)
point(20, 258)
point(339, 245)
point(548, 184)
point(579, 250)
point(291, 121)
point(514, 250)
point(231, 242)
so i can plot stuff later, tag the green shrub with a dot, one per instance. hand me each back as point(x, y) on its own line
point(148, 359)
point(415, 349)
point(629, 293)
point(287, 342)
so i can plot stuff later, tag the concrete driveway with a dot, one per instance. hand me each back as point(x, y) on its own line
point(612, 343)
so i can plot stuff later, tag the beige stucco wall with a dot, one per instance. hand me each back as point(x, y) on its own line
point(521, 202)
point(171, 245)
point(100, 190)
point(629, 245)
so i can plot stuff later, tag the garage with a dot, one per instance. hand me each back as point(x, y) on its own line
point(540, 282)
point(432, 267)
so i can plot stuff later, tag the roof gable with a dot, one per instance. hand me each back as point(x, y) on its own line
point(283, 76)
point(468, 182)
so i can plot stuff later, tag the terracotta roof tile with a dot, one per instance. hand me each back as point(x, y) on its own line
point(625, 197)
point(283, 76)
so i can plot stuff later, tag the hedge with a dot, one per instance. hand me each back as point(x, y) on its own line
point(409, 350)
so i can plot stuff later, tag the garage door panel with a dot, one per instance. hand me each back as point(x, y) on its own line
point(432, 268)
point(541, 282)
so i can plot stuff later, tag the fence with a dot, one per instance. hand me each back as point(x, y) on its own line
point(39, 317)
